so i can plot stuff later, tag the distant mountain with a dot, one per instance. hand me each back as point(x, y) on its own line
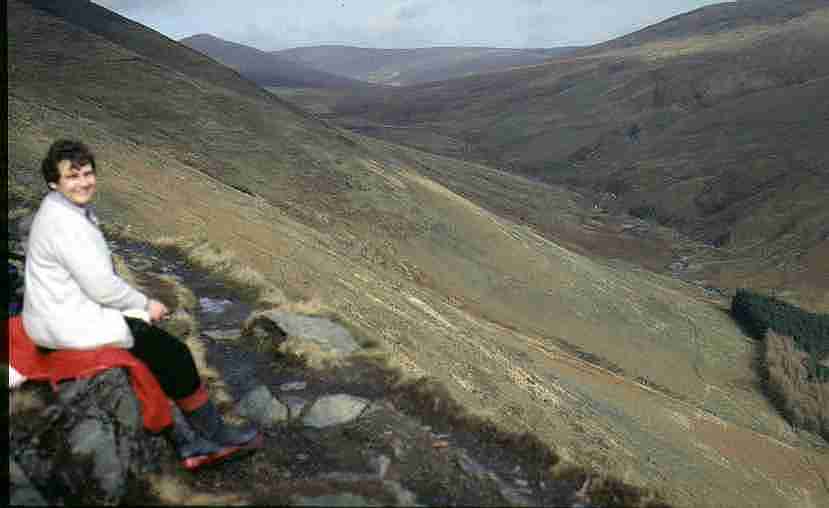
point(713, 122)
point(454, 270)
point(266, 69)
point(714, 19)
point(400, 67)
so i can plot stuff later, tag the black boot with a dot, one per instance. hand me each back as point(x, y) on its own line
point(209, 423)
point(193, 450)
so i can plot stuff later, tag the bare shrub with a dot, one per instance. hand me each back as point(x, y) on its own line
point(802, 399)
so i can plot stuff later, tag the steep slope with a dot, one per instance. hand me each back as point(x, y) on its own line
point(619, 368)
point(711, 122)
point(401, 67)
point(266, 69)
point(714, 19)
point(146, 44)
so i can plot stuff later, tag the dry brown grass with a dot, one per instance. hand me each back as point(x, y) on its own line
point(226, 264)
point(308, 353)
point(295, 348)
point(428, 398)
point(217, 386)
point(613, 493)
point(182, 323)
point(311, 307)
point(124, 271)
point(152, 189)
point(185, 298)
point(803, 401)
point(24, 401)
point(172, 490)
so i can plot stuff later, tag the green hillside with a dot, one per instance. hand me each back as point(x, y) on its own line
point(267, 69)
point(621, 369)
point(711, 123)
point(402, 67)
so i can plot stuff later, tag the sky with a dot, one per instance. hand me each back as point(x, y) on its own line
point(281, 24)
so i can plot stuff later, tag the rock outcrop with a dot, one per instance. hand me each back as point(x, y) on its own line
point(83, 444)
point(324, 334)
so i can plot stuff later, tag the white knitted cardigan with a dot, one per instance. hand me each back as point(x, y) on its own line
point(73, 299)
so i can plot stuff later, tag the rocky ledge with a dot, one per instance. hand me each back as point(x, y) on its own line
point(336, 436)
point(82, 444)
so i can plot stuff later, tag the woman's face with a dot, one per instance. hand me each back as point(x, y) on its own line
point(76, 184)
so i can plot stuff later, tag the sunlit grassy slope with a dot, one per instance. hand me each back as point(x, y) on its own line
point(712, 122)
point(266, 69)
point(615, 366)
point(414, 65)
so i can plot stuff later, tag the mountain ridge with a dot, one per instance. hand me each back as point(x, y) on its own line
point(263, 68)
point(513, 324)
point(611, 120)
point(403, 67)
point(712, 19)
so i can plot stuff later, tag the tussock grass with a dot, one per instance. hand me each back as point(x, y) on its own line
point(182, 323)
point(402, 369)
point(124, 271)
point(610, 492)
point(311, 307)
point(803, 400)
point(308, 353)
point(431, 401)
point(224, 263)
point(172, 490)
point(604, 490)
point(218, 388)
point(182, 320)
point(183, 302)
point(18, 213)
point(245, 145)
point(298, 350)
point(565, 471)
point(24, 400)
point(185, 298)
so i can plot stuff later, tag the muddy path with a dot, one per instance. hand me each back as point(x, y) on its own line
point(409, 446)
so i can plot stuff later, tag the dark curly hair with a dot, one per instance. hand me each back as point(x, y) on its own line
point(75, 152)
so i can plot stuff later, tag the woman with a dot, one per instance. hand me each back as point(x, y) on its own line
point(74, 300)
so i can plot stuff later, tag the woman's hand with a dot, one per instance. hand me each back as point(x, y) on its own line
point(156, 310)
